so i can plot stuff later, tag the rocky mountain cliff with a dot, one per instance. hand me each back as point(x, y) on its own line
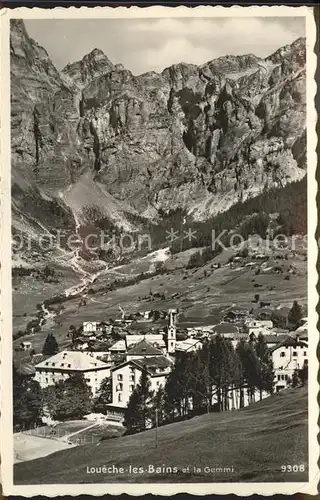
point(194, 137)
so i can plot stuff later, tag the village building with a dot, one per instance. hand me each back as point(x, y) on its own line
point(166, 342)
point(142, 350)
point(254, 326)
point(235, 314)
point(287, 356)
point(156, 340)
point(126, 376)
point(90, 326)
point(25, 345)
point(225, 329)
point(273, 340)
point(188, 345)
point(119, 347)
point(61, 365)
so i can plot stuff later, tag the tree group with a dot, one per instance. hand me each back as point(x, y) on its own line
point(215, 378)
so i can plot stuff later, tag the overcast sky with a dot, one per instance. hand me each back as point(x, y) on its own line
point(153, 44)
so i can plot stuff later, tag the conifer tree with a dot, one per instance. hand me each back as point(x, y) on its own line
point(295, 378)
point(178, 386)
point(250, 367)
point(266, 374)
point(104, 395)
point(139, 406)
point(295, 314)
point(50, 347)
point(159, 406)
point(27, 399)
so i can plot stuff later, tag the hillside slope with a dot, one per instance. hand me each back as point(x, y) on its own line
point(247, 440)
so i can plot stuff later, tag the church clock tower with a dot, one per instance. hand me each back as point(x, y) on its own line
point(171, 332)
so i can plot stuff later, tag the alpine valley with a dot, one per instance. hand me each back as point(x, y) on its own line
point(95, 147)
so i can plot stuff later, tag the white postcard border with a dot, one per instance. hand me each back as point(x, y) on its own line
point(238, 488)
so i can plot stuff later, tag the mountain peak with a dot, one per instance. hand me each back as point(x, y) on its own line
point(91, 66)
point(294, 52)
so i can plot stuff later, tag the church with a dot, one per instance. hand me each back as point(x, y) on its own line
point(166, 342)
point(143, 355)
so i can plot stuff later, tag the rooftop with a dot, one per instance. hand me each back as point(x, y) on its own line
point(151, 338)
point(275, 339)
point(72, 360)
point(154, 363)
point(225, 328)
point(144, 348)
point(120, 345)
point(185, 345)
point(289, 342)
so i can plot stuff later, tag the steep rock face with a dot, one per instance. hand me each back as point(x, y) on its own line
point(90, 67)
point(201, 138)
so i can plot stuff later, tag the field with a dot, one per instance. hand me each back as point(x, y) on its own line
point(200, 294)
point(43, 441)
point(253, 442)
point(29, 447)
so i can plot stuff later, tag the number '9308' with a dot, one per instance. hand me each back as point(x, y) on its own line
point(293, 468)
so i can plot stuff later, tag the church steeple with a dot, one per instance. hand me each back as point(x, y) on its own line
point(171, 332)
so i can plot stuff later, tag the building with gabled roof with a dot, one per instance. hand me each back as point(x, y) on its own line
point(118, 347)
point(126, 376)
point(188, 345)
point(61, 365)
point(155, 339)
point(287, 356)
point(273, 340)
point(143, 350)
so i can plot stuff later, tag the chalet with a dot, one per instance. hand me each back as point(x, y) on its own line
point(65, 363)
point(26, 346)
point(234, 315)
point(119, 347)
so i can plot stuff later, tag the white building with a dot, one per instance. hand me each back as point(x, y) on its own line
point(256, 326)
point(26, 345)
point(188, 345)
point(127, 375)
point(287, 357)
point(65, 363)
point(90, 326)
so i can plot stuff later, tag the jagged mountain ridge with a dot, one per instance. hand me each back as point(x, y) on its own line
point(196, 137)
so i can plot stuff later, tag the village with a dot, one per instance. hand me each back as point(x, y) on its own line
point(111, 351)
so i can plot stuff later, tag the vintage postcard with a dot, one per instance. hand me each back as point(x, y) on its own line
point(158, 251)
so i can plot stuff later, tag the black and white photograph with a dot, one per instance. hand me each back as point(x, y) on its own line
point(159, 193)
